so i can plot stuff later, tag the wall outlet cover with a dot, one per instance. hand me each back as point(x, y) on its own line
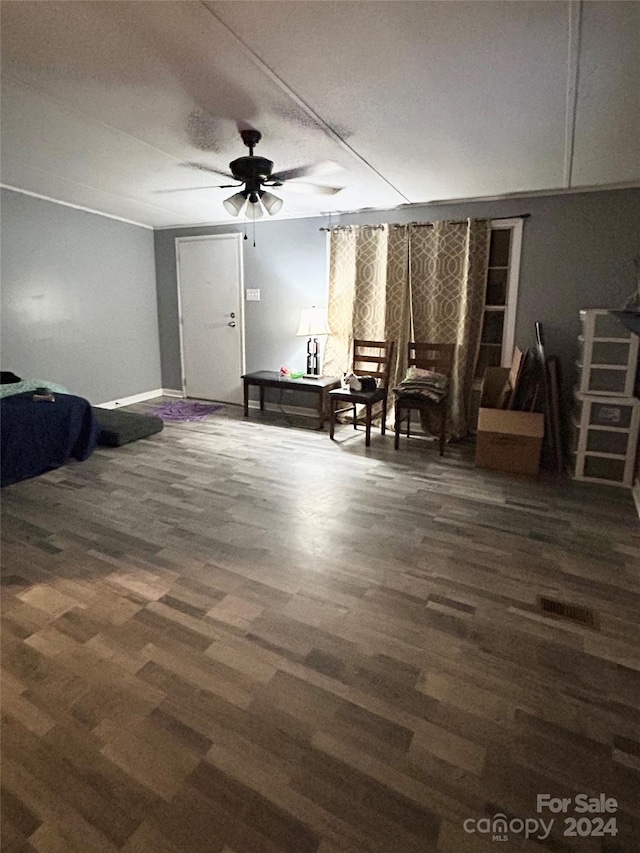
point(252, 295)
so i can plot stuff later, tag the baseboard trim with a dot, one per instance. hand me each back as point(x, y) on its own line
point(172, 392)
point(129, 401)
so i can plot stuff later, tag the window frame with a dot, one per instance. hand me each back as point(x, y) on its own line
point(515, 225)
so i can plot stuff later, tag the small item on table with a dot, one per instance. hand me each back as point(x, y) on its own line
point(43, 394)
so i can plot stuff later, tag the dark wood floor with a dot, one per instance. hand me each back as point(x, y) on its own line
point(240, 636)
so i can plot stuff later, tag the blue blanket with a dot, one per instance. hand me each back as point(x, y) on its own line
point(38, 435)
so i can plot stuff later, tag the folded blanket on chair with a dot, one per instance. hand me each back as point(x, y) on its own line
point(425, 384)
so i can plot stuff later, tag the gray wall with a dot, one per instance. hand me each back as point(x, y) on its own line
point(288, 266)
point(578, 252)
point(78, 300)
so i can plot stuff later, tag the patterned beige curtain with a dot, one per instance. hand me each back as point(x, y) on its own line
point(368, 292)
point(342, 284)
point(448, 263)
point(390, 282)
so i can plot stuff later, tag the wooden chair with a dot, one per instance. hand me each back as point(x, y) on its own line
point(370, 358)
point(436, 357)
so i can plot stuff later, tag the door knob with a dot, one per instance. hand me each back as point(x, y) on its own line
point(232, 324)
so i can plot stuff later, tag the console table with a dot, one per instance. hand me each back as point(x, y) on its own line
point(272, 379)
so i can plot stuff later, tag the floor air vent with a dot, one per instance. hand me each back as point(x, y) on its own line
point(568, 611)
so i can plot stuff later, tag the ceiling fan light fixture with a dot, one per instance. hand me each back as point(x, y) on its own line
point(235, 203)
point(271, 202)
point(254, 209)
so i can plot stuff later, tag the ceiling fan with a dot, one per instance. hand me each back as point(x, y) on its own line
point(255, 173)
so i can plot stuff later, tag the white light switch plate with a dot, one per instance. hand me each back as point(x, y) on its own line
point(253, 295)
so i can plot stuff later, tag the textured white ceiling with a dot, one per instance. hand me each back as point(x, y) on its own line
point(105, 103)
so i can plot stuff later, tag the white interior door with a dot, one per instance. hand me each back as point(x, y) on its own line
point(210, 287)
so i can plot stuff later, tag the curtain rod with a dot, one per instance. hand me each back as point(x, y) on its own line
point(426, 224)
point(463, 221)
point(349, 227)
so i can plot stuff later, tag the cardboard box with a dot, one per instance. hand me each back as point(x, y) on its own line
point(509, 441)
point(506, 440)
point(495, 388)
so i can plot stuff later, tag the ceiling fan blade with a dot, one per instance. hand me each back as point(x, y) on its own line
point(191, 189)
point(303, 187)
point(208, 169)
point(311, 170)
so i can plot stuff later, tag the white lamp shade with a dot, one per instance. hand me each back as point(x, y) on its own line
point(256, 204)
point(234, 203)
point(313, 322)
point(271, 202)
point(254, 210)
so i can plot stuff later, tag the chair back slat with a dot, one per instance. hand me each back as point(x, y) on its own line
point(373, 358)
point(437, 357)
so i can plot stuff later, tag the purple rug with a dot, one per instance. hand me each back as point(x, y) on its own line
point(185, 410)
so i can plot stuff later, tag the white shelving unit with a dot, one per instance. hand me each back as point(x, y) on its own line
point(606, 417)
point(604, 438)
point(608, 357)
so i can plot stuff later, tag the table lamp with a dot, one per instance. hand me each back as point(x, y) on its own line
point(313, 323)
